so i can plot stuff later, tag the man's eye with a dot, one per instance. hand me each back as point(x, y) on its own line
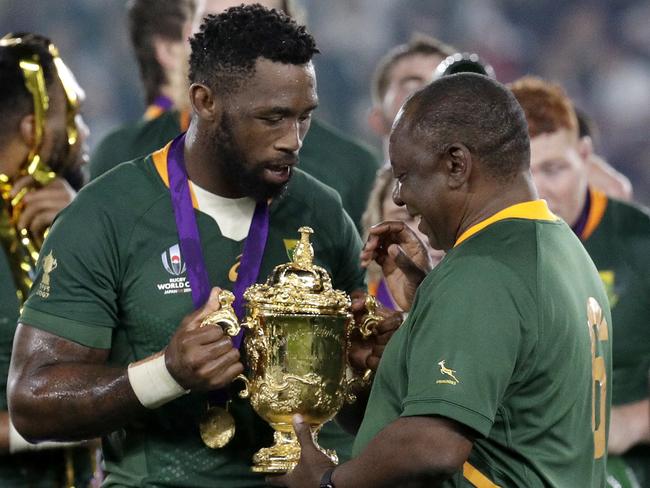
point(305, 117)
point(272, 120)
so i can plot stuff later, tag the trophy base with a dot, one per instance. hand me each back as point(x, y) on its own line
point(284, 455)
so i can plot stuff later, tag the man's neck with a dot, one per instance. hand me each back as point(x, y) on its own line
point(202, 167)
point(483, 204)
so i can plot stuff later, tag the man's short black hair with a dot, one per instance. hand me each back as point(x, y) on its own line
point(478, 112)
point(225, 50)
point(149, 19)
point(15, 100)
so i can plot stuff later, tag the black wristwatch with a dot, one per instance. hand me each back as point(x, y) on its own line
point(326, 480)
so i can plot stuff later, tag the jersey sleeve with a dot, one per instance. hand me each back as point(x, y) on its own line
point(75, 291)
point(464, 340)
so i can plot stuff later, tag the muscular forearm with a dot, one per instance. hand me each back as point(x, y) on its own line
point(84, 401)
point(421, 457)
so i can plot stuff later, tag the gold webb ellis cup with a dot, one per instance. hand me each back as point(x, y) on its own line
point(296, 347)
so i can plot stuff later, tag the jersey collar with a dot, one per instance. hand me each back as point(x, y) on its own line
point(159, 159)
point(164, 104)
point(597, 206)
point(531, 210)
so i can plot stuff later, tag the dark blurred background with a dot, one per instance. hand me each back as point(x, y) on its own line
point(598, 50)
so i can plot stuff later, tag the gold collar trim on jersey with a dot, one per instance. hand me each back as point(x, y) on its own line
point(475, 477)
point(532, 210)
point(596, 212)
point(160, 163)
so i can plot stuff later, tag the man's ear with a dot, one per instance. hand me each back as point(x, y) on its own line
point(204, 102)
point(26, 130)
point(377, 122)
point(458, 159)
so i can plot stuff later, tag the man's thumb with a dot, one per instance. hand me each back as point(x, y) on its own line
point(303, 431)
point(211, 305)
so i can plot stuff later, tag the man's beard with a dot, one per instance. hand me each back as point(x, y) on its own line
point(246, 177)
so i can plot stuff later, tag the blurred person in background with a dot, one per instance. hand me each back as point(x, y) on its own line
point(600, 173)
point(23, 141)
point(617, 237)
point(159, 32)
point(401, 72)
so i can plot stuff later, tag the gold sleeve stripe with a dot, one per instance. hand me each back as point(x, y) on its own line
point(596, 212)
point(160, 162)
point(475, 477)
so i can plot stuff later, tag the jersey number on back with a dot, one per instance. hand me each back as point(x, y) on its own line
point(598, 331)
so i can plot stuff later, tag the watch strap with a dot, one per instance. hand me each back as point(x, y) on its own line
point(326, 480)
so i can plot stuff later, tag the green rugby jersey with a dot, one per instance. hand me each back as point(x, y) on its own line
point(617, 237)
point(498, 339)
point(336, 160)
point(117, 280)
point(136, 140)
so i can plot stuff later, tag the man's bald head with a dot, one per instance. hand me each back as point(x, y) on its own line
point(472, 110)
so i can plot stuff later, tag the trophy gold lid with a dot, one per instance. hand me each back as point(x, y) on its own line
point(299, 286)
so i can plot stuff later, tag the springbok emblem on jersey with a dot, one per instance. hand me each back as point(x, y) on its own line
point(172, 261)
point(447, 372)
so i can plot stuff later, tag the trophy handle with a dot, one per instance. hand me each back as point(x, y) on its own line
point(246, 392)
point(371, 319)
point(225, 317)
point(357, 383)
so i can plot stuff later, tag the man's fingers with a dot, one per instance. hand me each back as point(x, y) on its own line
point(21, 183)
point(226, 376)
point(389, 324)
point(42, 221)
point(413, 273)
point(372, 362)
point(386, 227)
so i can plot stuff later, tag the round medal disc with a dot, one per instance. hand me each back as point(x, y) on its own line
point(217, 427)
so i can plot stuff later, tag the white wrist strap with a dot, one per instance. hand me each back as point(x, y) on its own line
point(152, 383)
point(17, 443)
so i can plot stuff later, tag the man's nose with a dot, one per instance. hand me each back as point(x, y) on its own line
point(291, 140)
point(397, 198)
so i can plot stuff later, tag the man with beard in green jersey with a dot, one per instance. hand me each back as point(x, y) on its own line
point(499, 375)
point(108, 343)
point(617, 237)
point(159, 29)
